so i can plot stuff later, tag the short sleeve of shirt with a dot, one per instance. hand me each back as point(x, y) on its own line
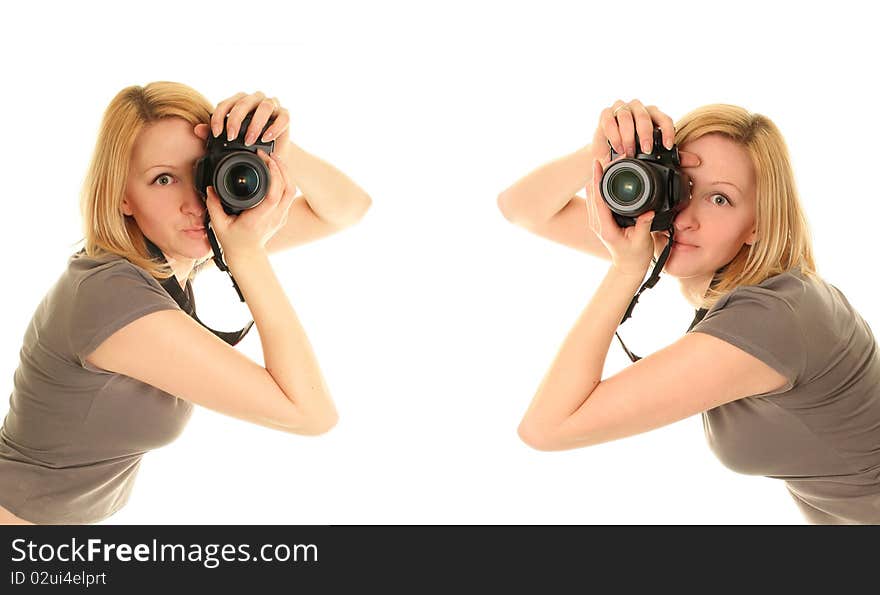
point(109, 298)
point(763, 324)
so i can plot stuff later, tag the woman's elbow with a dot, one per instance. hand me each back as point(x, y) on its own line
point(536, 436)
point(360, 206)
point(324, 423)
point(315, 424)
point(346, 212)
point(517, 210)
point(355, 210)
point(507, 206)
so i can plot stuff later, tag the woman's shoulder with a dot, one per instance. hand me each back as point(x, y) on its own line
point(792, 289)
point(95, 295)
point(793, 300)
point(108, 281)
point(105, 267)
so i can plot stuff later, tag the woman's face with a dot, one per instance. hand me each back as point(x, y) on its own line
point(719, 217)
point(160, 194)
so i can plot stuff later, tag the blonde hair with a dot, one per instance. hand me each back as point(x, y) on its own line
point(782, 238)
point(105, 227)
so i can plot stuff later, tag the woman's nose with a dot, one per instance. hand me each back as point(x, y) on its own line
point(193, 203)
point(686, 217)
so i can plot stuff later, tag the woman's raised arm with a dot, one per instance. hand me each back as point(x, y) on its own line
point(330, 200)
point(170, 351)
point(574, 407)
point(545, 202)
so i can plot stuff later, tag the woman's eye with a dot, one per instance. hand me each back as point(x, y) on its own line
point(719, 199)
point(162, 179)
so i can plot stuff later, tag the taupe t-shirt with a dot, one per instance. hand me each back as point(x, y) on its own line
point(73, 439)
point(820, 433)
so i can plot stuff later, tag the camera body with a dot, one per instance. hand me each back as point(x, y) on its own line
point(238, 175)
point(647, 182)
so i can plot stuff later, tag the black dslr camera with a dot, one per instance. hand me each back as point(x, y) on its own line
point(646, 182)
point(238, 175)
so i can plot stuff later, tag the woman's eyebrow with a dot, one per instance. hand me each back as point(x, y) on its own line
point(729, 184)
point(160, 165)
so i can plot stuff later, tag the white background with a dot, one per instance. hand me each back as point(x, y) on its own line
point(435, 319)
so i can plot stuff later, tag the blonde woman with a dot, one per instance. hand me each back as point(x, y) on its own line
point(785, 373)
point(115, 358)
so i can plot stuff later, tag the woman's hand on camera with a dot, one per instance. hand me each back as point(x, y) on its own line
point(619, 124)
point(234, 109)
point(249, 231)
point(631, 248)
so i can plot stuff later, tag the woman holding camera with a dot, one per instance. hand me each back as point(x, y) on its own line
point(112, 362)
point(784, 371)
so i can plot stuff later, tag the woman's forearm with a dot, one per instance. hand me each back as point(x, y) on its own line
point(287, 354)
point(539, 195)
point(577, 368)
point(332, 195)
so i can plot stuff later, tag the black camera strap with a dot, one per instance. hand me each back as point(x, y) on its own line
point(651, 282)
point(187, 301)
point(699, 314)
point(218, 254)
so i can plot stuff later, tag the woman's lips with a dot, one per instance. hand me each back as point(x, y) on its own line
point(679, 245)
point(196, 232)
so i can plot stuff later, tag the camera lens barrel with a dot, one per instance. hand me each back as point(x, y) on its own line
point(233, 168)
point(241, 180)
point(630, 187)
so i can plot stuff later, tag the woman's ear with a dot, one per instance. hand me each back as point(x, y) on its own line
point(751, 238)
point(126, 206)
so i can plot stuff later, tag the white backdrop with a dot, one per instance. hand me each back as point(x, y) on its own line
point(435, 319)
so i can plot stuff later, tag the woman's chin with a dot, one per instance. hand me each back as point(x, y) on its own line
point(677, 267)
point(193, 255)
point(198, 250)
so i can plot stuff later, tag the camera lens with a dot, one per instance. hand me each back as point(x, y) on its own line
point(242, 180)
point(630, 187)
point(626, 186)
